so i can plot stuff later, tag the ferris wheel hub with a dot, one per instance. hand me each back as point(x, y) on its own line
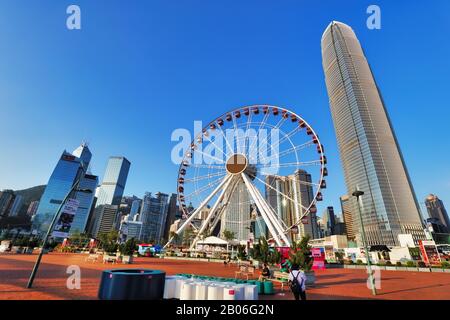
point(236, 164)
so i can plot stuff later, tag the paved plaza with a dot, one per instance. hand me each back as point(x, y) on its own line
point(331, 284)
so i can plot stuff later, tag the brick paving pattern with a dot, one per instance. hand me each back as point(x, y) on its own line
point(334, 284)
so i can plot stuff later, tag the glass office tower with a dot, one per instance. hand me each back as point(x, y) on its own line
point(111, 190)
point(153, 216)
point(68, 170)
point(86, 200)
point(296, 185)
point(368, 147)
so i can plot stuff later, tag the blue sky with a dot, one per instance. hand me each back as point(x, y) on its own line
point(140, 69)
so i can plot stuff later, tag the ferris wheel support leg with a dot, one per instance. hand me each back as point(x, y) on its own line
point(222, 210)
point(211, 213)
point(192, 216)
point(270, 216)
point(262, 210)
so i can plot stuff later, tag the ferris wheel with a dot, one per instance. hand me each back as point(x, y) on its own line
point(251, 150)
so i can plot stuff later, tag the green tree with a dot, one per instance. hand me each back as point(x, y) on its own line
point(300, 254)
point(129, 247)
point(188, 236)
point(228, 235)
point(108, 241)
point(262, 252)
point(242, 255)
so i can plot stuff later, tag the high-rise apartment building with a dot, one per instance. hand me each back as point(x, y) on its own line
point(6, 201)
point(105, 220)
point(32, 208)
point(369, 150)
point(16, 206)
point(153, 216)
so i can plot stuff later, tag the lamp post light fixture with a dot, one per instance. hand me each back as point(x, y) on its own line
point(50, 229)
point(358, 193)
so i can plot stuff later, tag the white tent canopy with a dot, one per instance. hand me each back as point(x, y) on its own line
point(213, 241)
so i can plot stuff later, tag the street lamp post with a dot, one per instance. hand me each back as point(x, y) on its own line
point(50, 229)
point(358, 193)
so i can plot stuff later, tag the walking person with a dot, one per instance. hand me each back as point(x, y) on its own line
point(297, 282)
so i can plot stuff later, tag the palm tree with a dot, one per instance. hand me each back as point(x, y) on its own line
point(228, 235)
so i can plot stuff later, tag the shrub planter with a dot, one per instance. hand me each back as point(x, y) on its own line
point(390, 268)
point(127, 259)
point(447, 270)
point(424, 269)
point(132, 284)
point(437, 270)
point(310, 278)
point(402, 268)
point(411, 268)
point(16, 249)
point(349, 266)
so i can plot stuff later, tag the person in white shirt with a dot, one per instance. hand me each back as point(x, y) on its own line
point(297, 282)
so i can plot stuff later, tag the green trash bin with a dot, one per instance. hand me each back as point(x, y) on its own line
point(260, 285)
point(268, 287)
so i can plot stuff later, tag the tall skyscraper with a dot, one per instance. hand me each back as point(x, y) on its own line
point(297, 186)
point(111, 190)
point(172, 212)
point(348, 217)
point(85, 200)
point(135, 207)
point(110, 193)
point(237, 214)
point(436, 210)
point(68, 170)
point(153, 216)
point(368, 147)
point(329, 221)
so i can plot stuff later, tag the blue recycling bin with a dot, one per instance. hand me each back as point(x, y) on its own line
point(132, 284)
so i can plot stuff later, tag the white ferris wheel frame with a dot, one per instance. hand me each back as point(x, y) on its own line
point(228, 183)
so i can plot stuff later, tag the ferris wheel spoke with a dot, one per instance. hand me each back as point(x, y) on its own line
point(206, 176)
point(206, 166)
point(261, 125)
point(293, 164)
point(215, 146)
point(296, 148)
point(282, 194)
point(203, 189)
point(280, 141)
point(225, 138)
point(218, 160)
